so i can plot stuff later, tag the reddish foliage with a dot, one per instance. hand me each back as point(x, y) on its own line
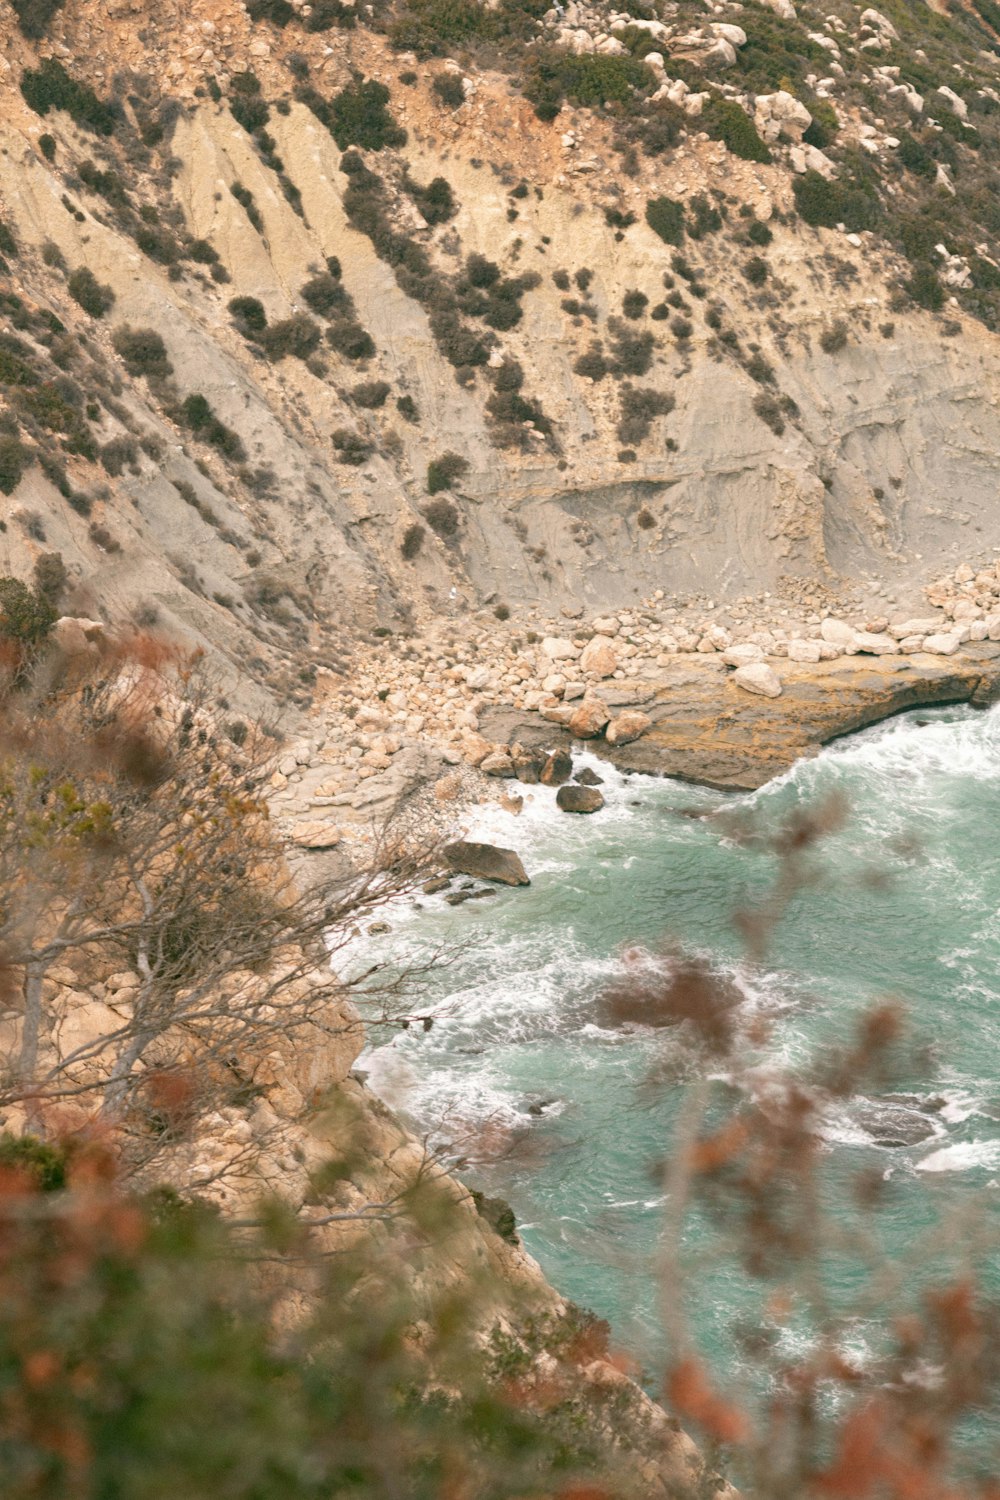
point(665, 992)
point(690, 1396)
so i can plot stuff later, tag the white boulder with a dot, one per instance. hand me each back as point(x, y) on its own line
point(758, 677)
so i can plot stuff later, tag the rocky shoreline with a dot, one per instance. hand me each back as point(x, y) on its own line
point(425, 728)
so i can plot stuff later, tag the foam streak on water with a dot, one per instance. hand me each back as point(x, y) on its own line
point(524, 1078)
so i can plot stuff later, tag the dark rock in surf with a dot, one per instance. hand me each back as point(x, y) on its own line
point(587, 777)
point(557, 769)
point(579, 799)
point(486, 862)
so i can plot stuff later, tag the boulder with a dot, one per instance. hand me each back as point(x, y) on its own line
point(557, 769)
point(77, 636)
point(528, 765)
point(781, 115)
point(558, 649)
point(485, 862)
point(316, 835)
point(837, 632)
point(942, 645)
point(587, 777)
point(628, 726)
point(574, 798)
point(588, 719)
point(874, 643)
point(915, 627)
point(497, 764)
point(742, 655)
point(799, 650)
point(758, 677)
point(599, 657)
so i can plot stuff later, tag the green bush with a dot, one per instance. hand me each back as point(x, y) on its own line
point(834, 338)
point(34, 16)
point(553, 75)
point(826, 204)
point(326, 295)
point(768, 408)
point(95, 298)
point(14, 459)
point(351, 447)
point(758, 233)
point(197, 414)
point(143, 352)
point(47, 146)
point(435, 202)
point(915, 157)
point(442, 517)
point(638, 409)
point(245, 199)
point(371, 394)
point(25, 616)
point(727, 121)
point(357, 116)
point(349, 339)
point(413, 540)
point(666, 218)
point(297, 336)
point(51, 87)
point(278, 12)
point(448, 89)
point(925, 288)
point(592, 365)
point(634, 304)
point(8, 244)
point(631, 351)
point(756, 270)
point(444, 472)
point(249, 314)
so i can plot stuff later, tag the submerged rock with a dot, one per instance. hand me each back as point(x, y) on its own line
point(486, 862)
point(579, 799)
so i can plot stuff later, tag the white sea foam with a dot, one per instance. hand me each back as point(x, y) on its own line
point(962, 1157)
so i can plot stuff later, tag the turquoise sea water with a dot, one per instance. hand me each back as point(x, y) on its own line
point(905, 904)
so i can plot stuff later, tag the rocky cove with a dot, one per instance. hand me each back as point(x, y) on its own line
point(422, 728)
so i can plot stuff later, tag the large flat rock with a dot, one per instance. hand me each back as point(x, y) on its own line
point(705, 729)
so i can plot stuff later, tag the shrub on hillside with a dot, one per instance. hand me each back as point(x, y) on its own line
point(326, 295)
point(768, 408)
point(245, 199)
point(634, 304)
point(349, 339)
point(413, 540)
point(350, 446)
point(26, 617)
point(826, 204)
point(248, 314)
point(143, 352)
point(834, 338)
point(435, 202)
point(14, 459)
point(727, 121)
point(925, 288)
point(756, 270)
point(666, 218)
point(639, 407)
point(592, 364)
point(51, 87)
point(631, 351)
point(297, 336)
point(93, 296)
point(371, 394)
point(358, 115)
point(35, 16)
point(278, 12)
point(444, 472)
point(442, 517)
point(198, 415)
point(448, 89)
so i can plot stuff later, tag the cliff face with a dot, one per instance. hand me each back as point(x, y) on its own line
point(733, 433)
